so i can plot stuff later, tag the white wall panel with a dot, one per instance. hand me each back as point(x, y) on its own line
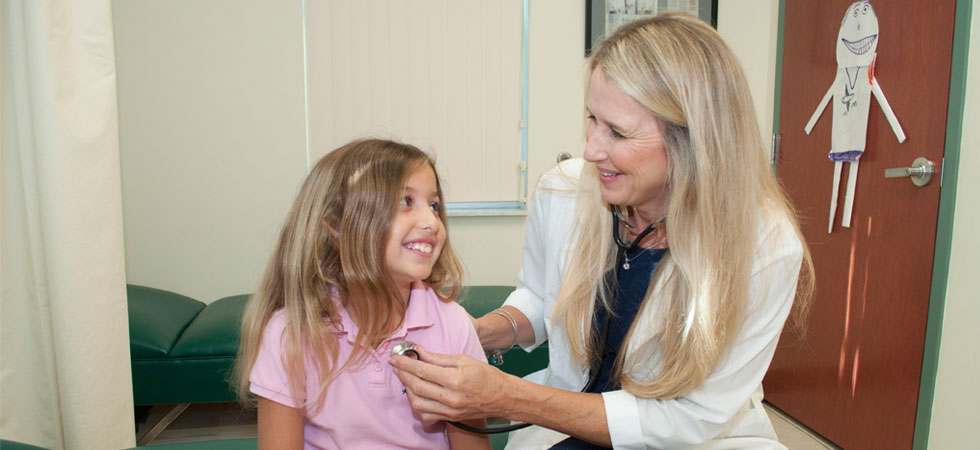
point(444, 76)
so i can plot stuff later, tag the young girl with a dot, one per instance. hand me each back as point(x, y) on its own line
point(363, 262)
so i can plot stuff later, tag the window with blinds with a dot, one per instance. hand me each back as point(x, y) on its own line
point(447, 76)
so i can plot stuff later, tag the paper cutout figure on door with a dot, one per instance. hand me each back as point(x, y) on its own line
point(851, 91)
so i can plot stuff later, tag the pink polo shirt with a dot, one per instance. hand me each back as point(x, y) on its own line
point(366, 407)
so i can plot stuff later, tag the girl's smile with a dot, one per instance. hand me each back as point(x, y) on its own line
point(423, 247)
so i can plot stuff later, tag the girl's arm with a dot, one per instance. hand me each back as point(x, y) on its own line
point(280, 427)
point(464, 440)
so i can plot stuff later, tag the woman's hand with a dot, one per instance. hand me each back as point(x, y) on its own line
point(453, 387)
point(458, 387)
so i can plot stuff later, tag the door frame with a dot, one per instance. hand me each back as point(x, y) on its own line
point(947, 203)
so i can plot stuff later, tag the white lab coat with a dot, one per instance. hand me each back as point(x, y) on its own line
point(726, 410)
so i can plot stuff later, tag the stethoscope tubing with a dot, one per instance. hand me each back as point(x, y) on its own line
point(635, 242)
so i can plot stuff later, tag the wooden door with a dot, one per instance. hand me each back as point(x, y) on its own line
point(854, 378)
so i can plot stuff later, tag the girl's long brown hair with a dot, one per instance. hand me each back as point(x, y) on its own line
point(332, 246)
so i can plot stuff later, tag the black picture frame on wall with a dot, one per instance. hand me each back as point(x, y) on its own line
point(597, 13)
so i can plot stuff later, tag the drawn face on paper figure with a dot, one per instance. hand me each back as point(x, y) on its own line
point(858, 36)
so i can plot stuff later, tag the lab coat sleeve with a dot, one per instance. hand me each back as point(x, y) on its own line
point(548, 224)
point(711, 411)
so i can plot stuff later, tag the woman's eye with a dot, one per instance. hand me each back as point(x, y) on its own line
point(434, 206)
point(612, 131)
point(406, 201)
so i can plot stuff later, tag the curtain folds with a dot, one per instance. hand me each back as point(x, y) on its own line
point(64, 365)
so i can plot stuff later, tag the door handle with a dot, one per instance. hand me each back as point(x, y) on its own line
point(920, 172)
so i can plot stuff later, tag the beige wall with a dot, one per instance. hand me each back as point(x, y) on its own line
point(955, 412)
point(751, 28)
point(212, 138)
point(214, 148)
point(490, 247)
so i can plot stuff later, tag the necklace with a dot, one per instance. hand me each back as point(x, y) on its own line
point(626, 248)
point(627, 259)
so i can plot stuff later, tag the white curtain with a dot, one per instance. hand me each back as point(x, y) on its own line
point(64, 367)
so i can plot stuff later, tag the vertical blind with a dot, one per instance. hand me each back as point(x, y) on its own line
point(445, 76)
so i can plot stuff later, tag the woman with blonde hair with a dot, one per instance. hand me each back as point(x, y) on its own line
point(660, 269)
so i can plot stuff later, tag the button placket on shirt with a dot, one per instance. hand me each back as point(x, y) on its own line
point(377, 375)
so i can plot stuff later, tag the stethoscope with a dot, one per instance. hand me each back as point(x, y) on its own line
point(407, 348)
point(632, 245)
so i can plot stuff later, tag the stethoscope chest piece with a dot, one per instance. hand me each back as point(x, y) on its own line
point(405, 348)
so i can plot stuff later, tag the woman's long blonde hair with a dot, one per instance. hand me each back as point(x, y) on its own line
point(332, 246)
point(719, 182)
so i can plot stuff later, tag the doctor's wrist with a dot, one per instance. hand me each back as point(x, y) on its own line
point(495, 331)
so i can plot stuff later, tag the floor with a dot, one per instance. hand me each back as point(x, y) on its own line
point(226, 421)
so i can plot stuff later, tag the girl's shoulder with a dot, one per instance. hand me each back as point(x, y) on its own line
point(451, 325)
point(276, 323)
point(432, 296)
point(444, 306)
point(273, 330)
